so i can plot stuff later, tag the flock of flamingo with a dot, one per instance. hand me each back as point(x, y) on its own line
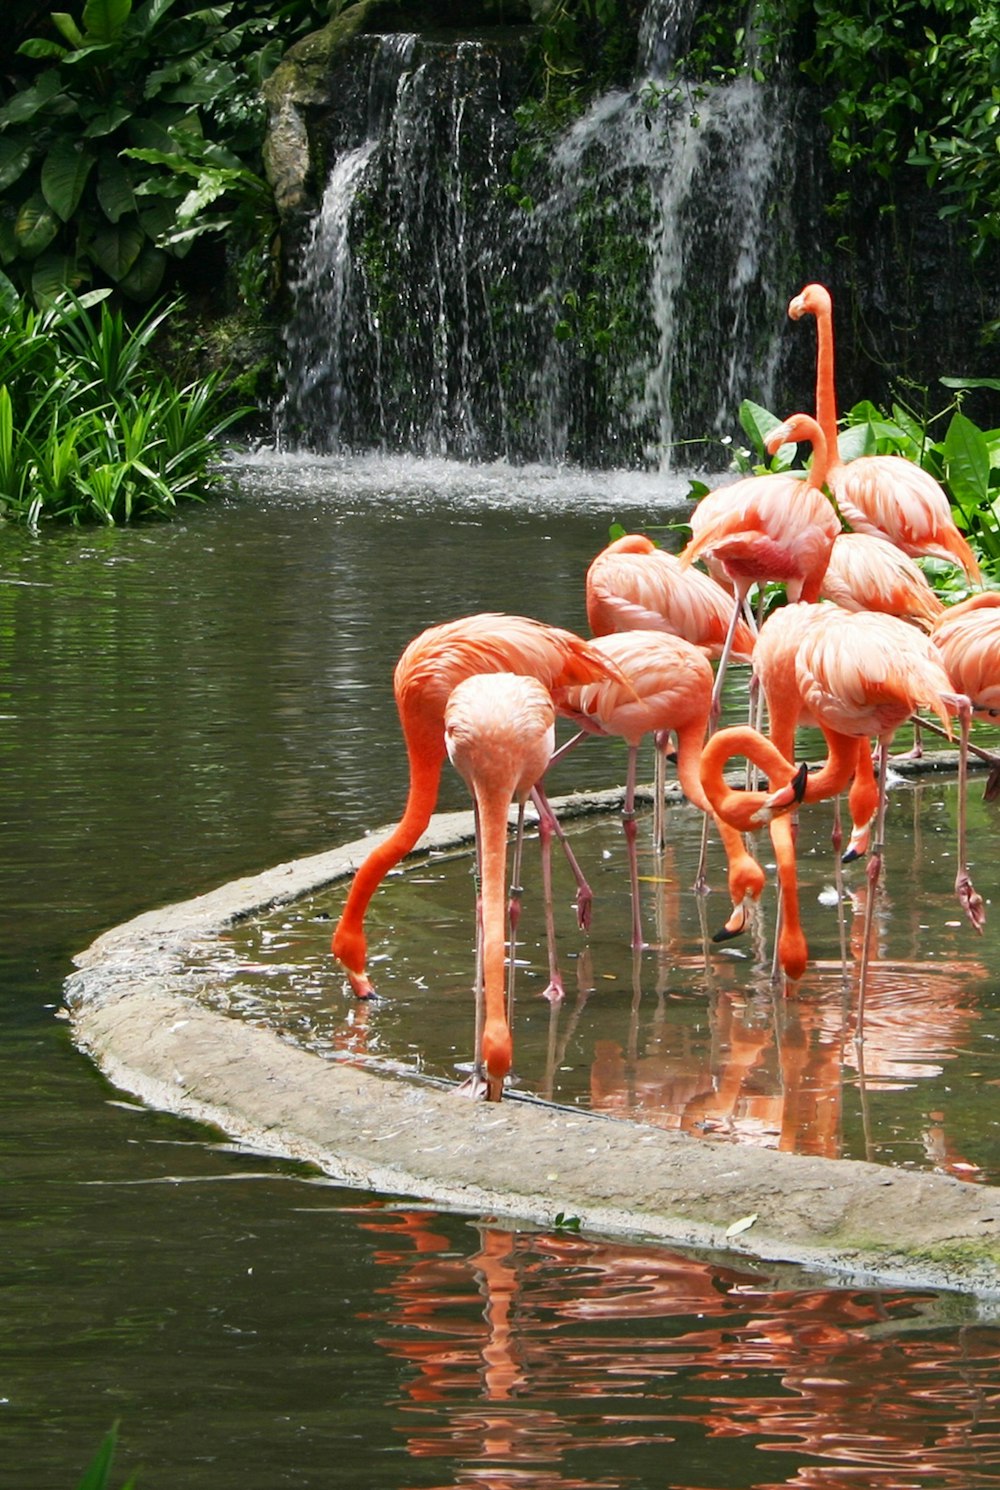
point(861, 646)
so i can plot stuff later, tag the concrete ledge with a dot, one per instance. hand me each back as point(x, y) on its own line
point(136, 1010)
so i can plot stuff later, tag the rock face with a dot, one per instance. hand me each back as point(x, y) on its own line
point(302, 81)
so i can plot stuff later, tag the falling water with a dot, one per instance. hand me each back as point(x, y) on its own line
point(615, 300)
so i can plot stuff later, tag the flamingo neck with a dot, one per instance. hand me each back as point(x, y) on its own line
point(741, 809)
point(826, 391)
point(497, 1047)
point(349, 944)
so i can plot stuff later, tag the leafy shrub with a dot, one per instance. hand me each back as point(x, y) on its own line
point(133, 130)
point(88, 430)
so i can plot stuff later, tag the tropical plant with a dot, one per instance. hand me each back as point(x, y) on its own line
point(964, 458)
point(105, 102)
point(89, 429)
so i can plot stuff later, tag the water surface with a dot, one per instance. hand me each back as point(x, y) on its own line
point(188, 703)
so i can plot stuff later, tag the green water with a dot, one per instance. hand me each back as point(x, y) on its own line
point(185, 704)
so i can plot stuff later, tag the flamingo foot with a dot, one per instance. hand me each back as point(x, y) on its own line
point(584, 907)
point(555, 992)
point(475, 1085)
point(970, 900)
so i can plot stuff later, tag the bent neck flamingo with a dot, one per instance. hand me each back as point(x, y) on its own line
point(499, 733)
point(428, 670)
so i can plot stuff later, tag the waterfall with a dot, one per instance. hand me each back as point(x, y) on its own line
point(619, 301)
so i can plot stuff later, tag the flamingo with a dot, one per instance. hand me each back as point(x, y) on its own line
point(967, 635)
point(669, 690)
point(867, 572)
point(499, 732)
point(859, 676)
point(428, 670)
point(633, 585)
point(775, 670)
point(769, 528)
point(885, 494)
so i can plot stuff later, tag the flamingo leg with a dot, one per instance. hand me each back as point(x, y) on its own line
point(968, 896)
point(474, 1085)
point(547, 826)
point(874, 873)
point(739, 599)
point(584, 894)
point(514, 910)
point(631, 831)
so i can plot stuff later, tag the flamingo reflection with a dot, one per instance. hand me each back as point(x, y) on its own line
point(521, 1348)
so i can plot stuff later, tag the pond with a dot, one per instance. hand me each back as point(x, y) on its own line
point(190, 703)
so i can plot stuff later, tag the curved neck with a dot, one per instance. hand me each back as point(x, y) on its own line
point(349, 943)
point(826, 392)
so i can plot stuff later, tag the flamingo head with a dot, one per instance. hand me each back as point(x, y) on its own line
point(813, 300)
point(795, 429)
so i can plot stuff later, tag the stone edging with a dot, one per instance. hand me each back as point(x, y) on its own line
point(135, 1010)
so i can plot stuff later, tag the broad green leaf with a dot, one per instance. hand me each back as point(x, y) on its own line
point(146, 275)
point(147, 134)
point(116, 247)
point(114, 189)
point(64, 175)
point(103, 19)
point(967, 462)
point(757, 421)
point(67, 27)
point(106, 121)
point(9, 298)
point(31, 101)
point(52, 275)
point(36, 226)
point(41, 49)
point(15, 155)
point(857, 439)
point(970, 382)
point(8, 238)
point(148, 16)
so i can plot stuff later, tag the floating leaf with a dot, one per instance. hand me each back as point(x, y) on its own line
point(743, 1224)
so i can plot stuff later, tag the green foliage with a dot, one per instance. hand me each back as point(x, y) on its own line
point(962, 457)
point(98, 1473)
point(134, 129)
point(89, 431)
point(583, 46)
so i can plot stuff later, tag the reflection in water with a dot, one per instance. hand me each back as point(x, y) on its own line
point(534, 1349)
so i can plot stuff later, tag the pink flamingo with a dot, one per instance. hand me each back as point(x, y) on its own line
point(881, 494)
point(774, 528)
point(428, 670)
point(669, 691)
point(499, 733)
